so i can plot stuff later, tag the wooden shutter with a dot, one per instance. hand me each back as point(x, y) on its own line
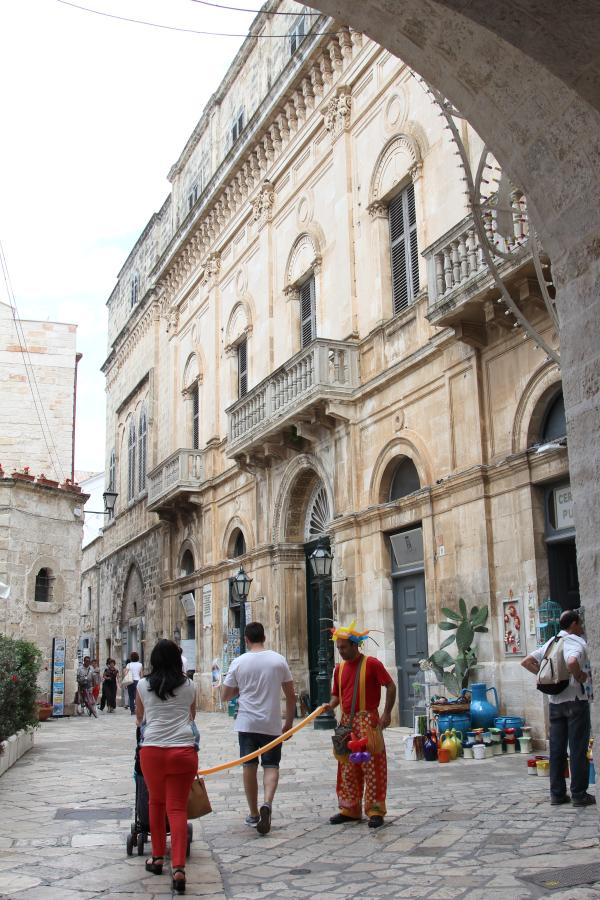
point(131, 462)
point(308, 331)
point(195, 417)
point(404, 249)
point(143, 443)
point(242, 354)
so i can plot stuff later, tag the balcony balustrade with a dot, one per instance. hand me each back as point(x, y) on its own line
point(178, 476)
point(324, 372)
point(457, 273)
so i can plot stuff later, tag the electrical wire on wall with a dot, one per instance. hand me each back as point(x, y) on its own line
point(38, 403)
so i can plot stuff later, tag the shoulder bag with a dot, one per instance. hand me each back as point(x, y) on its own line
point(198, 803)
point(341, 735)
point(127, 677)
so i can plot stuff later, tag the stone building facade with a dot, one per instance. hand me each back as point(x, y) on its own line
point(41, 511)
point(305, 344)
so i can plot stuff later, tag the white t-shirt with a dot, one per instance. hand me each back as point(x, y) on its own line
point(168, 722)
point(573, 646)
point(184, 663)
point(258, 675)
point(136, 670)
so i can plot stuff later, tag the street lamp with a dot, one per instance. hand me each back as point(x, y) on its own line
point(320, 562)
point(110, 498)
point(240, 588)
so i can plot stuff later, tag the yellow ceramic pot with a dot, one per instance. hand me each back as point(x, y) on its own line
point(451, 742)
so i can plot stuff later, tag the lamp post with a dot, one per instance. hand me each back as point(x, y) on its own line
point(320, 563)
point(240, 588)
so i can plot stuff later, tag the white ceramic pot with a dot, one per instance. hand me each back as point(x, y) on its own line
point(468, 752)
point(479, 751)
point(510, 748)
point(497, 749)
point(525, 744)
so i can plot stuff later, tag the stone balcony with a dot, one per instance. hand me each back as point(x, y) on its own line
point(460, 285)
point(175, 479)
point(287, 408)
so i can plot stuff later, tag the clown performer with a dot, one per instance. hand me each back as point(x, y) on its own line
point(367, 778)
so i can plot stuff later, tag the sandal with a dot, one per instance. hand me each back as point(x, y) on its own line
point(178, 884)
point(153, 865)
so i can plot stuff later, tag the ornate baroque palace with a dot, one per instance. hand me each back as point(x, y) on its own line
point(305, 343)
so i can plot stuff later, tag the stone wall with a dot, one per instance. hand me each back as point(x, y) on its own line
point(41, 528)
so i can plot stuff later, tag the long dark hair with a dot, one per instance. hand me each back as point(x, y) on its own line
point(166, 674)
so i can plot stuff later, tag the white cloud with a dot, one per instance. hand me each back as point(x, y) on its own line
point(95, 111)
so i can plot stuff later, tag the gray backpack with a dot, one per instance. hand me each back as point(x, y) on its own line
point(553, 676)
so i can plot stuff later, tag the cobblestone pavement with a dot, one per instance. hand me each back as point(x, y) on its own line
point(471, 829)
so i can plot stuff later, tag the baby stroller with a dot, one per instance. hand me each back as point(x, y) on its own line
point(140, 827)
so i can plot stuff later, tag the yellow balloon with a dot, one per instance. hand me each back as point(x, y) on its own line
point(269, 746)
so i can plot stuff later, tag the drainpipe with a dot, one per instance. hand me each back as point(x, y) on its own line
point(77, 358)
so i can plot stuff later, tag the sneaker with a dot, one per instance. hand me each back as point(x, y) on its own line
point(264, 822)
point(341, 819)
point(586, 800)
point(252, 821)
point(558, 801)
point(375, 821)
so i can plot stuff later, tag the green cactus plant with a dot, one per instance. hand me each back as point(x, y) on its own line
point(454, 672)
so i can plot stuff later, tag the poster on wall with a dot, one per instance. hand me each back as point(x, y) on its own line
point(207, 605)
point(513, 626)
point(57, 676)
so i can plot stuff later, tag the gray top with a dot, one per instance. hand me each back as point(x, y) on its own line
point(167, 721)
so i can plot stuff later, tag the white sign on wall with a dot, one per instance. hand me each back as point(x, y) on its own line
point(207, 604)
point(563, 507)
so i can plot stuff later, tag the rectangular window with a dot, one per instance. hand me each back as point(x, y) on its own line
point(135, 289)
point(297, 34)
point(89, 598)
point(237, 127)
point(308, 328)
point(195, 417)
point(404, 249)
point(242, 356)
point(193, 195)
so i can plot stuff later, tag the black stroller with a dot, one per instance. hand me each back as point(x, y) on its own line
point(140, 827)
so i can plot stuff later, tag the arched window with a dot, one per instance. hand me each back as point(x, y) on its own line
point(405, 479)
point(404, 249)
point(142, 448)
point(239, 544)
point(554, 425)
point(187, 563)
point(131, 452)
point(112, 471)
point(44, 581)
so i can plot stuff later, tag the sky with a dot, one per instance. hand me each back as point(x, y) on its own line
point(95, 111)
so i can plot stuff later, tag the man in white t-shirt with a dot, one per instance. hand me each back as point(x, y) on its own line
point(258, 678)
point(569, 714)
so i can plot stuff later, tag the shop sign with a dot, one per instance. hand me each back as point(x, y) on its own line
point(187, 601)
point(563, 507)
point(59, 650)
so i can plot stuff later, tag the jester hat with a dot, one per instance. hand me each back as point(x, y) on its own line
point(350, 633)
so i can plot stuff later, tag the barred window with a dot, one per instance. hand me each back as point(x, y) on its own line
point(404, 249)
point(131, 453)
point(44, 581)
point(308, 329)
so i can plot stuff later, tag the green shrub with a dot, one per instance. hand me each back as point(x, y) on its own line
point(20, 662)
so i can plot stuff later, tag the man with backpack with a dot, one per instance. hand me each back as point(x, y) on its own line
point(563, 671)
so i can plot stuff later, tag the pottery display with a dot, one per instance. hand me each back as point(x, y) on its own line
point(483, 713)
point(478, 751)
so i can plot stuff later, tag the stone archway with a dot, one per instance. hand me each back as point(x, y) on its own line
point(525, 73)
point(133, 614)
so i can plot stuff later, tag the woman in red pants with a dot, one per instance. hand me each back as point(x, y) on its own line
point(166, 700)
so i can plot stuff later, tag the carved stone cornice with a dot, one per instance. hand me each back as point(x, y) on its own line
point(212, 268)
point(377, 210)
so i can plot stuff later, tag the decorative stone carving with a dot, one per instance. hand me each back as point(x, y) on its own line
point(377, 210)
point(337, 112)
point(262, 207)
point(212, 267)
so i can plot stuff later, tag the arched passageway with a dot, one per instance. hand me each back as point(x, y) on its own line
point(526, 75)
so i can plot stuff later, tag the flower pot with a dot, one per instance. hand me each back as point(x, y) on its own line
point(44, 713)
point(22, 476)
point(48, 482)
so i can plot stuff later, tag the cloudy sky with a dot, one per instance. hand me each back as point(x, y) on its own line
point(95, 112)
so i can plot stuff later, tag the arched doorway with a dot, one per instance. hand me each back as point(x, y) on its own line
point(132, 616)
point(316, 521)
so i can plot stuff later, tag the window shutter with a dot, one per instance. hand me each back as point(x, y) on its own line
point(131, 461)
point(242, 368)
point(195, 417)
point(404, 249)
point(307, 312)
point(143, 443)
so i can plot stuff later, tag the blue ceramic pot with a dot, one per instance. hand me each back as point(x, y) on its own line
point(459, 721)
point(483, 713)
point(515, 722)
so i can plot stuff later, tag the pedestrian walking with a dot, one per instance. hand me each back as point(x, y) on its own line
point(357, 683)
point(166, 701)
point(258, 678)
point(85, 678)
point(95, 679)
point(103, 688)
point(110, 679)
point(133, 673)
point(569, 713)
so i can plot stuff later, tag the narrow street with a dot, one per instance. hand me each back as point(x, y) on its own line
point(471, 829)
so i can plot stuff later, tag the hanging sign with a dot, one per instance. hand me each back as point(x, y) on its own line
point(187, 601)
point(59, 649)
point(563, 507)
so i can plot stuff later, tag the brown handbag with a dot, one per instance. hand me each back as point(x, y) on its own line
point(198, 803)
